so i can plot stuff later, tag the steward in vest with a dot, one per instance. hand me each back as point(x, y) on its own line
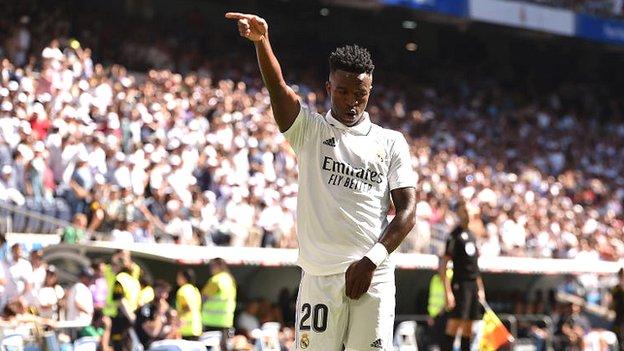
point(436, 309)
point(219, 299)
point(188, 305)
point(125, 293)
point(119, 261)
point(147, 294)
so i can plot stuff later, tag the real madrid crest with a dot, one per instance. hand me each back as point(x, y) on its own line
point(381, 153)
point(305, 341)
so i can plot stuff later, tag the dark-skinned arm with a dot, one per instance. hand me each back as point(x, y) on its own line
point(360, 274)
point(284, 101)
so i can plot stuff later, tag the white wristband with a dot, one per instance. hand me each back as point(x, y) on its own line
point(377, 254)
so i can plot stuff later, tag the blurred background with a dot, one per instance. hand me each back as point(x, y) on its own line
point(136, 137)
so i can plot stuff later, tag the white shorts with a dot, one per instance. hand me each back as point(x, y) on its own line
point(327, 319)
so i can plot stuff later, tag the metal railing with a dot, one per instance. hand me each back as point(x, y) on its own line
point(17, 219)
point(25, 220)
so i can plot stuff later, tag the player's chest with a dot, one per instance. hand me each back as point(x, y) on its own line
point(359, 151)
point(355, 162)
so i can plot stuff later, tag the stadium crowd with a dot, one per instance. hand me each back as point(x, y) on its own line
point(117, 305)
point(165, 157)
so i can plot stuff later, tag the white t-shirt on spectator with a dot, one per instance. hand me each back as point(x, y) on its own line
point(19, 274)
point(79, 293)
point(247, 322)
point(345, 178)
point(49, 297)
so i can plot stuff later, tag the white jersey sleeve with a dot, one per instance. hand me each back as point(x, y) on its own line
point(400, 173)
point(305, 124)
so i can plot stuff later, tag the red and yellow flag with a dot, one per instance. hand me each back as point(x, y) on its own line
point(494, 334)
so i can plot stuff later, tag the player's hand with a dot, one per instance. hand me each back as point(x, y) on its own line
point(252, 27)
point(450, 301)
point(358, 277)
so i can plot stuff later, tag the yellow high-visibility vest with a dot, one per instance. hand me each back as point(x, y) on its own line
point(146, 295)
point(437, 300)
point(188, 305)
point(220, 294)
point(131, 287)
point(110, 309)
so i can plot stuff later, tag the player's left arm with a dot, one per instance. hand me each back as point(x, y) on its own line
point(404, 200)
point(402, 184)
point(360, 274)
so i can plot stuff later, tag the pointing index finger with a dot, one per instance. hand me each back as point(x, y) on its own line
point(237, 15)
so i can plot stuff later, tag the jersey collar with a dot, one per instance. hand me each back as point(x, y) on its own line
point(362, 128)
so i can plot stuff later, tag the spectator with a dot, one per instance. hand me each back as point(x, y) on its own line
point(124, 295)
point(8, 187)
point(571, 329)
point(99, 287)
point(156, 319)
point(19, 274)
point(100, 328)
point(80, 300)
point(147, 293)
point(39, 268)
point(188, 305)
point(50, 296)
point(219, 300)
point(247, 321)
point(75, 233)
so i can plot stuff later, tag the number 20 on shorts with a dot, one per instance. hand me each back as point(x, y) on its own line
point(319, 315)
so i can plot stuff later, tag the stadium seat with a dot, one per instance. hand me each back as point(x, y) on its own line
point(48, 209)
point(20, 220)
point(4, 215)
point(405, 336)
point(34, 224)
point(63, 211)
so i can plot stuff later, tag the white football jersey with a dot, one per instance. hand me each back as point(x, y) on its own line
point(345, 178)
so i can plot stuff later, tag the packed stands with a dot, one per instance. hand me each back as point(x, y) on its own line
point(178, 158)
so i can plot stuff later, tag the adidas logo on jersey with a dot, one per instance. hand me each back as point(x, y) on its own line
point(331, 142)
point(376, 344)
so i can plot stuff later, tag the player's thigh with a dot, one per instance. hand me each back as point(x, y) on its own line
point(371, 318)
point(321, 316)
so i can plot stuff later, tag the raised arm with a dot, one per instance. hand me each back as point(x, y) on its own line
point(284, 100)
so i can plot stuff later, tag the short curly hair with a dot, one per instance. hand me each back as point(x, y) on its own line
point(351, 58)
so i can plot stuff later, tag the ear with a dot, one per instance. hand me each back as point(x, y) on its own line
point(328, 88)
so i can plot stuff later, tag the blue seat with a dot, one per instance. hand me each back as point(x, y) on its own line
point(34, 224)
point(63, 211)
point(49, 209)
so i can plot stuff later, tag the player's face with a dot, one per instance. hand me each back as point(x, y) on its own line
point(349, 94)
